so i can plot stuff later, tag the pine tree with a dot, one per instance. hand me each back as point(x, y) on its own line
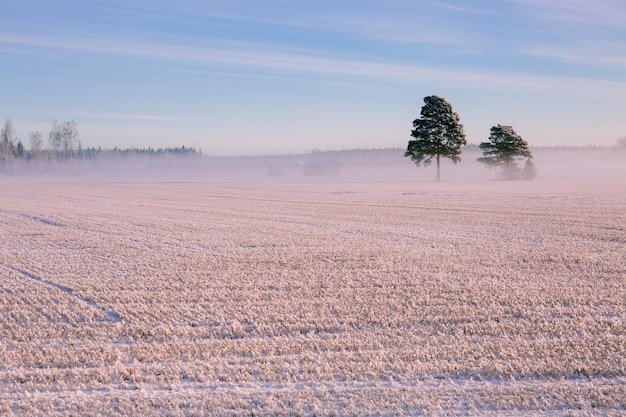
point(505, 149)
point(19, 149)
point(438, 134)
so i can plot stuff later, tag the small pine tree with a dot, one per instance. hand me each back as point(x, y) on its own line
point(81, 151)
point(504, 149)
point(19, 149)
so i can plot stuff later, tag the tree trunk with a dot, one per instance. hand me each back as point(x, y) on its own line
point(438, 169)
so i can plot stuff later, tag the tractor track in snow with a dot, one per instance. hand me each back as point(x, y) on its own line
point(112, 315)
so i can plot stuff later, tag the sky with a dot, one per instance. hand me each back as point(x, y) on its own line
point(268, 77)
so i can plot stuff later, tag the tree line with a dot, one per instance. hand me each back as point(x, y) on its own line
point(439, 134)
point(64, 144)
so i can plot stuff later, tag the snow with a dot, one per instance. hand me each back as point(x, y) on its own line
point(300, 296)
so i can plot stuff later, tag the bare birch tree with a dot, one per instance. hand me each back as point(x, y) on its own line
point(7, 135)
point(55, 140)
point(36, 143)
point(69, 135)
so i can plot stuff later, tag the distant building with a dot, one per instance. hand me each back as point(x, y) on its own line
point(322, 167)
point(275, 171)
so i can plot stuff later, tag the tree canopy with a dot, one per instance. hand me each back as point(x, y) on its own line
point(505, 149)
point(438, 134)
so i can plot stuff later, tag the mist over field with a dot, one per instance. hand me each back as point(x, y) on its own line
point(349, 165)
point(329, 283)
point(181, 233)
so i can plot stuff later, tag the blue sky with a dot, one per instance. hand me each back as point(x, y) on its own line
point(285, 76)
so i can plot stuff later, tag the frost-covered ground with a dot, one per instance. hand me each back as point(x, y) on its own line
point(309, 297)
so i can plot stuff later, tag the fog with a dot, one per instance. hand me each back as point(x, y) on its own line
point(302, 284)
point(382, 165)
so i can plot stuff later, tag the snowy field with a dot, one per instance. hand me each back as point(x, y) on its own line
point(297, 296)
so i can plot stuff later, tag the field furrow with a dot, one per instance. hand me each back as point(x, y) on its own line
point(304, 298)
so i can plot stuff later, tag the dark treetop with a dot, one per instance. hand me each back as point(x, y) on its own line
point(437, 134)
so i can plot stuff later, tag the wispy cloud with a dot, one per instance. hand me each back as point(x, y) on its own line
point(585, 56)
point(139, 117)
point(462, 8)
point(585, 33)
point(268, 59)
point(607, 13)
point(387, 25)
